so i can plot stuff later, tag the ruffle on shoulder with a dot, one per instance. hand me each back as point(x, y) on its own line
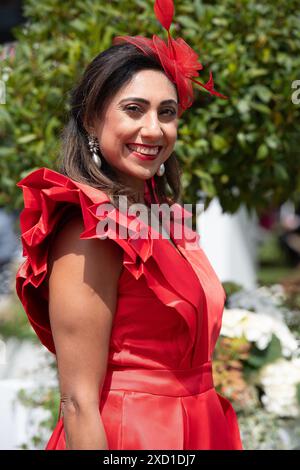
point(50, 199)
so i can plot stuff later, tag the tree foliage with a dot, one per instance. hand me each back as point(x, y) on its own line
point(244, 149)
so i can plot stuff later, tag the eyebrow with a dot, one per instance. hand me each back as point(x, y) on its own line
point(142, 100)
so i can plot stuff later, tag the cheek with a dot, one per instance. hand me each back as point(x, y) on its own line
point(172, 135)
point(117, 126)
point(124, 132)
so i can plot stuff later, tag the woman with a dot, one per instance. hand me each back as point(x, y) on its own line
point(133, 320)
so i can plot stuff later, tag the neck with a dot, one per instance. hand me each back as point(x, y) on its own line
point(135, 184)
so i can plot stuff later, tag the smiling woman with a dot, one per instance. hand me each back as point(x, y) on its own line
point(143, 129)
point(133, 321)
point(124, 100)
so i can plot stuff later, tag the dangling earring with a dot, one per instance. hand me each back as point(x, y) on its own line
point(161, 170)
point(94, 148)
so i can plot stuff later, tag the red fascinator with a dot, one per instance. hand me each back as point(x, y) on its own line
point(179, 60)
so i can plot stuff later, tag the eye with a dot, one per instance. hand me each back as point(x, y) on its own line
point(132, 108)
point(172, 111)
point(167, 111)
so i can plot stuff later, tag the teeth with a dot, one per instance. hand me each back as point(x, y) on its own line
point(144, 150)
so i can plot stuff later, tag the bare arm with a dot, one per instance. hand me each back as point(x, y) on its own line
point(83, 278)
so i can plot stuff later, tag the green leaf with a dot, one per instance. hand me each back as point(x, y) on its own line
point(199, 9)
point(219, 143)
point(220, 21)
point(263, 93)
point(187, 21)
point(215, 167)
point(186, 179)
point(208, 188)
point(78, 25)
point(262, 152)
point(272, 141)
point(262, 108)
point(7, 151)
point(280, 172)
point(254, 73)
point(203, 175)
point(25, 139)
point(258, 358)
point(243, 106)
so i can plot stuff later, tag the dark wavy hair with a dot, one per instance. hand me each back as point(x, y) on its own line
point(106, 74)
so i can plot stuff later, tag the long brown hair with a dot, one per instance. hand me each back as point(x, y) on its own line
point(102, 79)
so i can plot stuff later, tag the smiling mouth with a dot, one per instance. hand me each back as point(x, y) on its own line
point(147, 151)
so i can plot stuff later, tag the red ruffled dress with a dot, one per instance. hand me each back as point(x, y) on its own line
point(158, 391)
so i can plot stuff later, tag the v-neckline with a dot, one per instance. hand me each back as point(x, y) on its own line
point(172, 243)
point(169, 239)
point(174, 246)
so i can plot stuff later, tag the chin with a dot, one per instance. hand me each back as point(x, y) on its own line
point(144, 173)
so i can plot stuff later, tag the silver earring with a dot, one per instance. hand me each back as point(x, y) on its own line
point(94, 148)
point(161, 170)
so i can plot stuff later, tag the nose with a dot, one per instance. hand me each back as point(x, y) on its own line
point(151, 126)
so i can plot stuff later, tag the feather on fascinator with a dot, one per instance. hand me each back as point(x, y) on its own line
point(179, 60)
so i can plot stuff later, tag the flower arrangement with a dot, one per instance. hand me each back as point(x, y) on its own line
point(257, 366)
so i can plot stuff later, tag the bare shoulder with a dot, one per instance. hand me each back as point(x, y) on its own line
point(98, 259)
point(83, 278)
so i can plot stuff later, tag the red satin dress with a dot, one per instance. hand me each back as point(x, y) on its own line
point(158, 391)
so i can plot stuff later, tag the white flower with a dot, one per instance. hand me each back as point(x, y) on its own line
point(261, 299)
point(258, 328)
point(279, 381)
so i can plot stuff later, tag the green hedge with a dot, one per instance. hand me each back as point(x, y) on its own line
point(245, 149)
